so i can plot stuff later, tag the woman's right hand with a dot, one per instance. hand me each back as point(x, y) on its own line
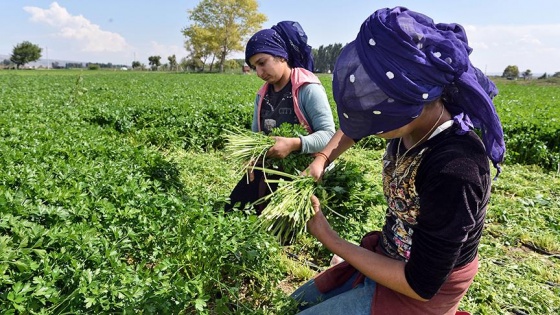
point(318, 226)
point(283, 146)
point(316, 169)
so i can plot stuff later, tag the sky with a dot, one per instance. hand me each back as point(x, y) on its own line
point(513, 32)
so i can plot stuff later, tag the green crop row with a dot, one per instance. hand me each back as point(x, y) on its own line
point(103, 212)
point(95, 219)
point(531, 119)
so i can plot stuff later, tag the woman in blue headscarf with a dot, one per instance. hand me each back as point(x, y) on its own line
point(291, 94)
point(410, 81)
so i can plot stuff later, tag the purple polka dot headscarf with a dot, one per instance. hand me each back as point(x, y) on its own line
point(401, 61)
point(285, 39)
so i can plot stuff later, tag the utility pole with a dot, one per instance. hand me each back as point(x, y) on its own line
point(47, 48)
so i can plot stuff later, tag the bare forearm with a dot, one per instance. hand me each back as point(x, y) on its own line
point(337, 145)
point(284, 146)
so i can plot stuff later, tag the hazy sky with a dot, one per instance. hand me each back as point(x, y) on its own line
point(514, 32)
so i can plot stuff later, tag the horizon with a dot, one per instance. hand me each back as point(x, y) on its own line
point(42, 62)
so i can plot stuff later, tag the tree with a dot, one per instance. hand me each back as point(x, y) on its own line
point(544, 76)
point(556, 75)
point(136, 64)
point(511, 72)
point(7, 63)
point(173, 63)
point(221, 26)
point(325, 57)
point(190, 64)
point(71, 65)
point(527, 74)
point(240, 62)
point(154, 62)
point(200, 45)
point(56, 65)
point(24, 53)
point(232, 64)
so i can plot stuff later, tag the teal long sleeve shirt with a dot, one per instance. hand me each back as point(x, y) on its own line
point(317, 111)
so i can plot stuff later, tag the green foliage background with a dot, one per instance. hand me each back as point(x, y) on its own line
point(111, 187)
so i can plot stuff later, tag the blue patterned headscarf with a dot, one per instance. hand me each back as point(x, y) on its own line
point(401, 61)
point(285, 39)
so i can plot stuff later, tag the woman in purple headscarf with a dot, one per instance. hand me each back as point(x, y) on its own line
point(291, 94)
point(410, 81)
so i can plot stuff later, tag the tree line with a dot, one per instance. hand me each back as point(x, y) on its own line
point(220, 27)
point(26, 52)
point(511, 72)
point(217, 29)
point(324, 56)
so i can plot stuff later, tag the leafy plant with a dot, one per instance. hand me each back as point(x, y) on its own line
point(109, 186)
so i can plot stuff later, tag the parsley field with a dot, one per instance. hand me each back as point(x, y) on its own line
point(112, 184)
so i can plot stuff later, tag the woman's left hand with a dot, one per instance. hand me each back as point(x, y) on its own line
point(283, 147)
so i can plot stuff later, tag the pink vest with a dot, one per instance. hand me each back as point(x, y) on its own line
point(298, 77)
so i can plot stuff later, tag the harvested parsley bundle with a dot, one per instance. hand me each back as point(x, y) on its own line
point(289, 207)
point(247, 149)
